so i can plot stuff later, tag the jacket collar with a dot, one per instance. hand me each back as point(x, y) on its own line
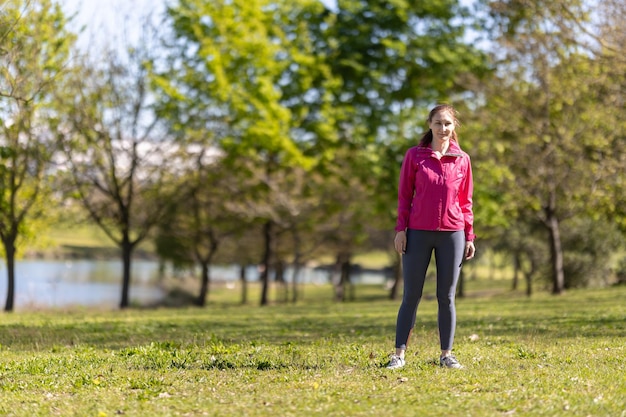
point(454, 150)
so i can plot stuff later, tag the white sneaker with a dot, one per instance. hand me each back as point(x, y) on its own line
point(395, 362)
point(450, 362)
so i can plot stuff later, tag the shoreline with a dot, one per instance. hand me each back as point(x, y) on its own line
point(74, 252)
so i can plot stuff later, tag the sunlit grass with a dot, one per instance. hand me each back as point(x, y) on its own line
point(79, 235)
point(374, 259)
point(84, 240)
point(544, 356)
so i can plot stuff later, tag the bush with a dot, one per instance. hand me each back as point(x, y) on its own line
point(620, 272)
point(587, 252)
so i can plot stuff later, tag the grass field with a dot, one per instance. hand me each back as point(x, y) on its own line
point(545, 356)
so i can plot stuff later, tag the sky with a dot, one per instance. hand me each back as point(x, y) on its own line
point(104, 19)
point(117, 23)
point(107, 11)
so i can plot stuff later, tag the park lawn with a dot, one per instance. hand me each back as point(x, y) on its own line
point(68, 239)
point(544, 356)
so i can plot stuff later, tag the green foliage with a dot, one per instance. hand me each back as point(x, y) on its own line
point(318, 359)
point(236, 80)
point(35, 49)
point(233, 61)
point(539, 134)
point(311, 110)
point(36, 44)
point(589, 255)
point(620, 271)
point(405, 53)
point(343, 80)
point(394, 60)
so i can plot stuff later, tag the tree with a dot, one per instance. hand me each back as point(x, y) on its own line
point(199, 220)
point(117, 155)
point(35, 49)
point(611, 47)
point(230, 66)
point(542, 118)
point(394, 60)
point(291, 85)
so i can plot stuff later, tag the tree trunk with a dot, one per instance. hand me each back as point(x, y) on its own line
point(205, 265)
point(127, 251)
point(343, 283)
point(205, 279)
point(296, 266)
point(279, 272)
point(9, 248)
point(244, 284)
point(529, 277)
point(529, 284)
point(294, 281)
point(267, 256)
point(556, 250)
point(337, 280)
point(557, 257)
point(347, 279)
point(516, 270)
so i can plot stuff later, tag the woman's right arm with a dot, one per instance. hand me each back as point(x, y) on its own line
point(406, 186)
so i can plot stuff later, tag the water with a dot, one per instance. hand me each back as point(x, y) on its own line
point(61, 283)
point(57, 283)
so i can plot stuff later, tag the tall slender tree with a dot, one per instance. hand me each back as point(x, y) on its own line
point(35, 48)
point(117, 154)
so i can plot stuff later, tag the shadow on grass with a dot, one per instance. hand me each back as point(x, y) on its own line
point(358, 322)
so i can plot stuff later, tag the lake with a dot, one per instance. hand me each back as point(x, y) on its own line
point(62, 283)
point(58, 283)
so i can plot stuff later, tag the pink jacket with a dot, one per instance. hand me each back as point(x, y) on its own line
point(436, 194)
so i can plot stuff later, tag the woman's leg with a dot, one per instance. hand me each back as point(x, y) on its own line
point(414, 266)
point(449, 253)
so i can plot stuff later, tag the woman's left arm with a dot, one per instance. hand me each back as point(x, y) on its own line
point(465, 201)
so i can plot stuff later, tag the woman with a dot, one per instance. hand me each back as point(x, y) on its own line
point(434, 213)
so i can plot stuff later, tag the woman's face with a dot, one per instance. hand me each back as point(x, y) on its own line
point(442, 126)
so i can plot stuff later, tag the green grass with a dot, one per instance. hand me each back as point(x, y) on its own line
point(79, 235)
point(79, 241)
point(545, 356)
point(375, 259)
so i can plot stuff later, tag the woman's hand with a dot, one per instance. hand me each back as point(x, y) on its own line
point(399, 242)
point(470, 250)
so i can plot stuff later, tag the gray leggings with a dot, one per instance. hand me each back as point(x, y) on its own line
point(449, 251)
